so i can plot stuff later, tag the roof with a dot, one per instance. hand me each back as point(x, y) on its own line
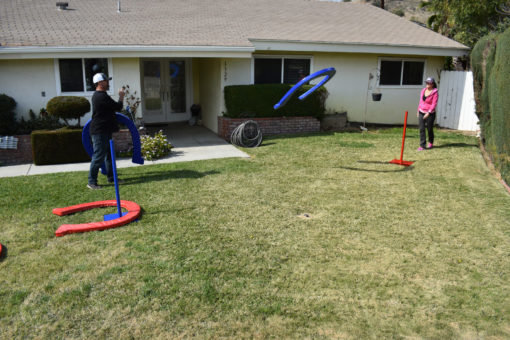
point(209, 23)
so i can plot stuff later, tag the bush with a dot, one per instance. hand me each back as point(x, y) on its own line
point(7, 115)
point(40, 122)
point(68, 107)
point(58, 147)
point(499, 104)
point(251, 101)
point(155, 147)
point(491, 70)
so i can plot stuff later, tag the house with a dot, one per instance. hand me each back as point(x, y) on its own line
point(175, 53)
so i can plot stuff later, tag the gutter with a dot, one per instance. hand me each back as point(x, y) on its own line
point(334, 47)
point(124, 51)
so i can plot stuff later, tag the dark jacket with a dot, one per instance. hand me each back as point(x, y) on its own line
point(103, 114)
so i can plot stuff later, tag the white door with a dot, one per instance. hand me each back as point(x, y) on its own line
point(165, 90)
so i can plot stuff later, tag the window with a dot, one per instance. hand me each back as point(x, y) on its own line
point(76, 74)
point(401, 72)
point(280, 70)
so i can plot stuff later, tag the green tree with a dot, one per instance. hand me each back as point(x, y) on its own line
point(467, 20)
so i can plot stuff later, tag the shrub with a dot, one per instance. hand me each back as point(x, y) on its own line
point(132, 103)
point(68, 107)
point(249, 101)
point(155, 147)
point(399, 11)
point(41, 122)
point(491, 70)
point(499, 104)
point(58, 147)
point(7, 115)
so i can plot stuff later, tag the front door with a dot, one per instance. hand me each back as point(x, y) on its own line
point(165, 90)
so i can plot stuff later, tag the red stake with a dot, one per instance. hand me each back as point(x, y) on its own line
point(401, 161)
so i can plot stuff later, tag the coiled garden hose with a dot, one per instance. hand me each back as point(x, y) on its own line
point(247, 135)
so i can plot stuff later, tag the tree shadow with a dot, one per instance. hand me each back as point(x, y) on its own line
point(455, 145)
point(400, 168)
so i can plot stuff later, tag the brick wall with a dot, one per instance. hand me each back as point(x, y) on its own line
point(270, 126)
point(23, 154)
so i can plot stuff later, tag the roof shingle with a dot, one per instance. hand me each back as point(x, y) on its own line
point(206, 23)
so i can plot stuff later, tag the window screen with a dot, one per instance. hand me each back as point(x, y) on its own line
point(268, 71)
point(93, 66)
point(71, 75)
point(390, 72)
point(295, 70)
point(401, 72)
point(413, 73)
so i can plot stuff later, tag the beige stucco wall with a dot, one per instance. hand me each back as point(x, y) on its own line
point(350, 89)
point(234, 72)
point(25, 80)
point(210, 90)
point(126, 71)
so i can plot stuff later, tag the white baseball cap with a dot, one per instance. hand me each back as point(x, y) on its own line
point(100, 77)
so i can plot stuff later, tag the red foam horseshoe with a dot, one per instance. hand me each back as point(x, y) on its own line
point(133, 211)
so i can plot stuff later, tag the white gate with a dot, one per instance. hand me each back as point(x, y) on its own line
point(456, 104)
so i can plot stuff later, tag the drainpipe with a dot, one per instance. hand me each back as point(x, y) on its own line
point(118, 6)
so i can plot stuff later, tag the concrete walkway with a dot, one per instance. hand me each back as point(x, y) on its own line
point(191, 143)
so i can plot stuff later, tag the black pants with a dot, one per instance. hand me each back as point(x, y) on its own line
point(426, 124)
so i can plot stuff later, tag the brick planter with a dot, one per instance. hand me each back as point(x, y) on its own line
point(271, 125)
point(23, 154)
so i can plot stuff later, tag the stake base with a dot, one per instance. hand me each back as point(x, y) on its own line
point(114, 216)
point(401, 162)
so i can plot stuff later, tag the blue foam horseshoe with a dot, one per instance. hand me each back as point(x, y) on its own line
point(135, 138)
point(327, 72)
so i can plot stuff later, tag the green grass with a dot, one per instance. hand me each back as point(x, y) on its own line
point(313, 237)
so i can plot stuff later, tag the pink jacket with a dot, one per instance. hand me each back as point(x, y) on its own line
point(429, 104)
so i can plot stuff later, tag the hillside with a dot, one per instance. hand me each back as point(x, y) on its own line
point(410, 9)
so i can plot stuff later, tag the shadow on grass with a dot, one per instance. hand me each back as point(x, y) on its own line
point(3, 254)
point(455, 145)
point(397, 168)
point(165, 175)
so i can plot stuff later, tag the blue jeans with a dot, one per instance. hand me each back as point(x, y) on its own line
point(101, 145)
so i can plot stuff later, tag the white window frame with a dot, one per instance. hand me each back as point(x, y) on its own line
point(402, 60)
point(282, 59)
point(85, 92)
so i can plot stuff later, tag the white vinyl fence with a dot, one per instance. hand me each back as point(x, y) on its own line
point(456, 104)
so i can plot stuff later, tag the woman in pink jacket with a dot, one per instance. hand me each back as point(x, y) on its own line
point(427, 112)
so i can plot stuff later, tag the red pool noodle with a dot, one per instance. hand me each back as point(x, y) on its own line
point(133, 211)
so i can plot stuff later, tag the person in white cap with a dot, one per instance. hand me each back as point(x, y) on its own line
point(102, 126)
point(427, 113)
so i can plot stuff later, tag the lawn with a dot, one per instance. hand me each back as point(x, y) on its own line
point(315, 236)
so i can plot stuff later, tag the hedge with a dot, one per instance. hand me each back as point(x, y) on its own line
point(491, 69)
point(250, 101)
point(58, 147)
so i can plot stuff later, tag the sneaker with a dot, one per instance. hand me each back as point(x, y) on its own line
point(430, 146)
point(93, 186)
point(420, 149)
